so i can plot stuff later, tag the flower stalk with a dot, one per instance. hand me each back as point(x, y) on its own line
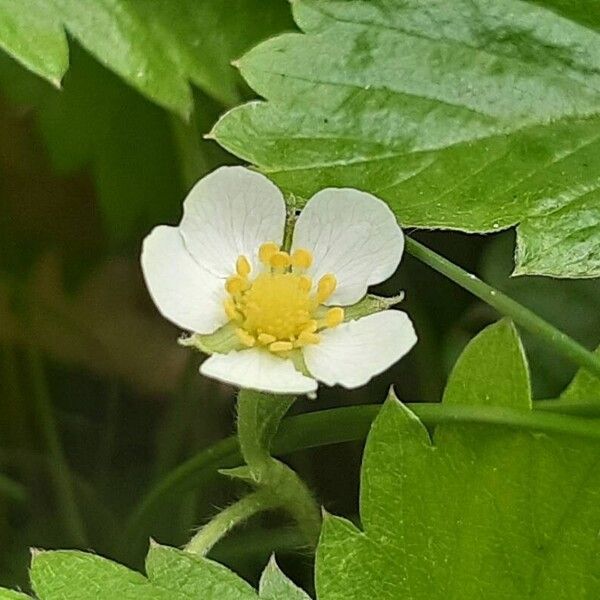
point(521, 315)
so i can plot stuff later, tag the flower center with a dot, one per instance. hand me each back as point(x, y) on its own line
point(278, 308)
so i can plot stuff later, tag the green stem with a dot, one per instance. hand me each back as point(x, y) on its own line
point(560, 341)
point(229, 518)
point(259, 416)
point(346, 424)
point(61, 474)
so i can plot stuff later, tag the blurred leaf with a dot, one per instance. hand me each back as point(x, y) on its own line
point(158, 47)
point(480, 511)
point(468, 115)
point(570, 305)
point(102, 326)
point(30, 32)
point(97, 120)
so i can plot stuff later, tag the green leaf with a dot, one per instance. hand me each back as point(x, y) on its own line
point(63, 574)
point(11, 595)
point(274, 585)
point(194, 576)
point(158, 47)
point(30, 32)
point(492, 371)
point(468, 115)
point(476, 512)
point(584, 387)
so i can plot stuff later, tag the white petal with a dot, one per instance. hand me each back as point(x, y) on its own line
point(353, 235)
point(354, 352)
point(182, 290)
point(231, 211)
point(258, 369)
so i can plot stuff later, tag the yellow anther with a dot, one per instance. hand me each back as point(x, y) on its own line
point(334, 316)
point(310, 327)
point(245, 337)
point(266, 338)
point(242, 266)
point(326, 287)
point(281, 346)
point(236, 285)
point(231, 310)
point(307, 337)
point(304, 283)
point(280, 260)
point(302, 258)
point(266, 251)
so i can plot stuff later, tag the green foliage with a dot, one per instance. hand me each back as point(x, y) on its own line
point(171, 575)
point(475, 512)
point(157, 47)
point(474, 116)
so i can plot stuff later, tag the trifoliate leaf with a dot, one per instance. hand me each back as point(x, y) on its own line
point(274, 585)
point(474, 115)
point(158, 47)
point(477, 511)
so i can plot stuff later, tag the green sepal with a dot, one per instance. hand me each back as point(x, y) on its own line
point(369, 305)
point(222, 341)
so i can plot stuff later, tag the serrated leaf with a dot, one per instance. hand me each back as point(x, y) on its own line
point(194, 576)
point(73, 575)
point(274, 585)
point(158, 47)
point(468, 115)
point(479, 511)
point(584, 387)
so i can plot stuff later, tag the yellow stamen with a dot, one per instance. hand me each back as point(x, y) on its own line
point(305, 338)
point(236, 285)
point(231, 310)
point(302, 258)
point(310, 327)
point(245, 337)
point(266, 251)
point(326, 287)
point(281, 346)
point(266, 338)
point(242, 266)
point(334, 316)
point(305, 283)
point(280, 260)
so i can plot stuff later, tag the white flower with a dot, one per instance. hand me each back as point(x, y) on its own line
point(223, 266)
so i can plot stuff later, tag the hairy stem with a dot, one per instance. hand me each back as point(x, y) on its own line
point(259, 416)
point(560, 341)
point(346, 424)
point(227, 519)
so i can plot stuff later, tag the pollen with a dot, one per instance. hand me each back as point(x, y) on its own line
point(277, 308)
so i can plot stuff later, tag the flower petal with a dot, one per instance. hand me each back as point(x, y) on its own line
point(258, 369)
point(353, 235)
point(182, 290)
point(354, 352)
point(231, 211)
